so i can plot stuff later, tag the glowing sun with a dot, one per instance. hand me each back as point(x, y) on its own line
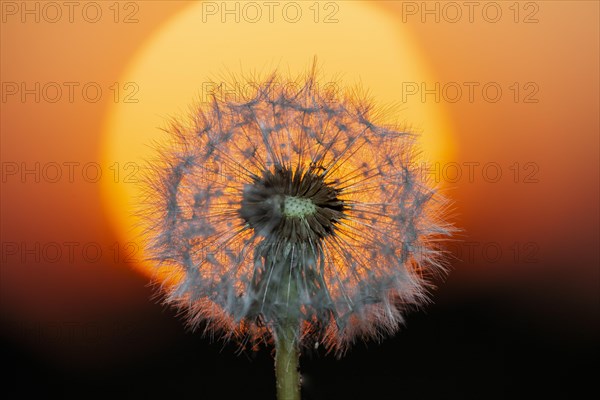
point(356, 42)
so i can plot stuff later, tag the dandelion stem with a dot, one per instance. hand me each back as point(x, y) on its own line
point(287, 357)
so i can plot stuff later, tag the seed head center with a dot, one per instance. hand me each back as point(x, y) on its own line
point(298, 206)
point(275, 201)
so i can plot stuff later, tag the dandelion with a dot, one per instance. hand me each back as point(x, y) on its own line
point(294, 215)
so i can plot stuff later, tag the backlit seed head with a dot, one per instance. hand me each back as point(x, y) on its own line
point(294, 205)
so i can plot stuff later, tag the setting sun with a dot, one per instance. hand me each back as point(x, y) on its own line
point(355, 43)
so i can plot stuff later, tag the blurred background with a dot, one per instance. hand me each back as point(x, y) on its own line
point(505, 94)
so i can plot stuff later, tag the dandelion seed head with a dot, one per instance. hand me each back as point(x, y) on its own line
point(294, 205)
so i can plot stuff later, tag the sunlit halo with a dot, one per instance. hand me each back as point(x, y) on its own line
point(184, 59)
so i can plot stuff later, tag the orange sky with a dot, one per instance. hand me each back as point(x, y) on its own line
point(552, 219)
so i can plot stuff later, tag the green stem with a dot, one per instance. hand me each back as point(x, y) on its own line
point(287, 357)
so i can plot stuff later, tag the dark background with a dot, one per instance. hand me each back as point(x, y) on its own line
point(474, 342)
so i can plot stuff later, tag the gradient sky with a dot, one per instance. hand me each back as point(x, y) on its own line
point(531, 232)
